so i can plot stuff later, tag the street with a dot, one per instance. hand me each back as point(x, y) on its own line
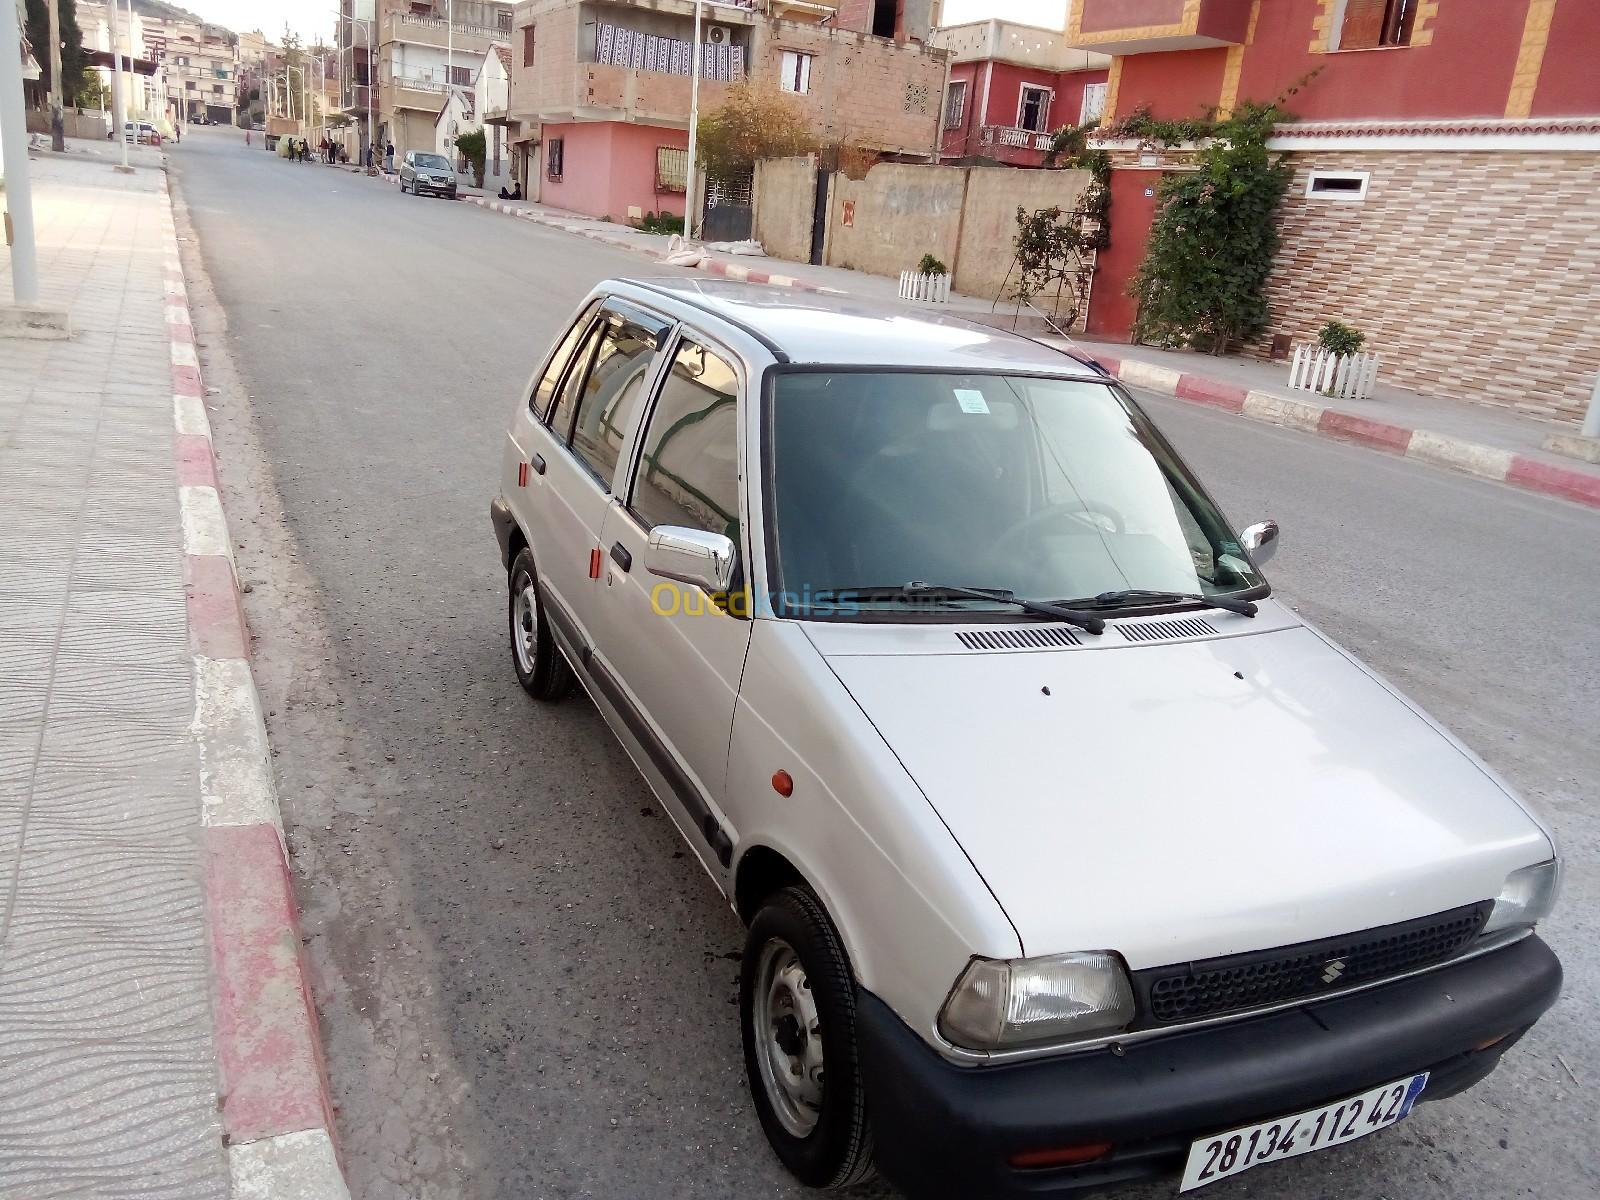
point(525, 985)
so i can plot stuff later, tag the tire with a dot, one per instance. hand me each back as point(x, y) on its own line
point(541, 670)
point(797, 1005)
point(402, 185)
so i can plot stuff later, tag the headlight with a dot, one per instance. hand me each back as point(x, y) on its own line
point(996, 1004)
point(1526, 897)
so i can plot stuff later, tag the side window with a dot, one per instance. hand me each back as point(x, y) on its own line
point(610, 393)
point(566, 401)
point(688, 472)
point(545, 389)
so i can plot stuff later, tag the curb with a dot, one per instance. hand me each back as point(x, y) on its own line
point(276, 1109)
point(1485, 462)
point(1456, 454)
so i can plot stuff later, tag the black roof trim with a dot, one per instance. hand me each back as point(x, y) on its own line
point(772, 347)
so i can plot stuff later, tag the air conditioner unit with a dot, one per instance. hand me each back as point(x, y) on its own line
point(718, 35)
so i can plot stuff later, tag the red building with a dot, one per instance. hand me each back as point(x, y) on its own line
point(1011, 87)
point(1446, 196)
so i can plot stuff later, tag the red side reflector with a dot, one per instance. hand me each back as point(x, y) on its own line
point(594, 563)
point(1066, 1156)
point(783, 783)
point(522, 474)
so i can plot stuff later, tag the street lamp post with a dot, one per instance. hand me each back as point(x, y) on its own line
point(694, 123)
point(19, 189)
point(366, 28)
point(118, 100)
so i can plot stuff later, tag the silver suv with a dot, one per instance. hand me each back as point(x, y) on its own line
point(1069, 855)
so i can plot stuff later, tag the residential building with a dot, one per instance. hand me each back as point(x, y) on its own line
point(1011, 87)
point(491, 89)
point(458, 115)
point(137, 37)
point(600, 89)
point(1446, 189)
point(418, 55)
point(202, 72)
point(356, 40)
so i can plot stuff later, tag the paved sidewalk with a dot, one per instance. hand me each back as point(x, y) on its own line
point(155, 1036)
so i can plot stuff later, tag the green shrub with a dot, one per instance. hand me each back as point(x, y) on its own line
point(931, 266)
point(1338, 338)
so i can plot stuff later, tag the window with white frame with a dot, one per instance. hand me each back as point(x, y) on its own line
point(1033, 109)
point(955, 104)
point(1094, 103)
point(1348, 186)
point(795, 72)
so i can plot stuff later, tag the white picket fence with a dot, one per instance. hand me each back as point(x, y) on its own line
point(931, 289)
point(1341, 376)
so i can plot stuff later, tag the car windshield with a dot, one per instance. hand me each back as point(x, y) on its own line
point(1051, 489)
point(433, 162)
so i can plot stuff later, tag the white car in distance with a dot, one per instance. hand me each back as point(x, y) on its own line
point(1068, 855)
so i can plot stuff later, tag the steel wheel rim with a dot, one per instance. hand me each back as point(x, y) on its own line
point(524, 622)
point(788, 1035)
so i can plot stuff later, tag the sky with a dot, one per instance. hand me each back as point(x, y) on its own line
point(314, 18)
point(311, 19)
point(1051, 14)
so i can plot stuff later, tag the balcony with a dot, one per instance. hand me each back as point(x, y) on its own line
point(1020, 45)
point(1147, 26)
point(1017, 139)
point(424, 94)
point(430, 31)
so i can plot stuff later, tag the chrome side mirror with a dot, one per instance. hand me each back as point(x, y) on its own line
point(1260, 541)
point(692, 556)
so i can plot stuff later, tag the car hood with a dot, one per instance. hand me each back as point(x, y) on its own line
point(1186, 796)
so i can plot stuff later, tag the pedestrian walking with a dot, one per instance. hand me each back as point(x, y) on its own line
point(246, 137)
point(388, 159)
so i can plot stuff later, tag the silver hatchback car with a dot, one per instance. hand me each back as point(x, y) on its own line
point(1068, 854)
point(424, 174)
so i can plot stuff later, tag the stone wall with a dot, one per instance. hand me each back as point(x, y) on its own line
point(74, 124)
point(1473, 274)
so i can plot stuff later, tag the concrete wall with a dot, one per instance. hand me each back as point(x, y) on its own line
point(74, 124)
point(989, 222)
point(964, 216)
point(607, 168)
point(898, 213)
point(785, 196)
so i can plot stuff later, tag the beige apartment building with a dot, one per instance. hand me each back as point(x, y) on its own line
point(201, 65)
point(599, 110)
point(416, 54)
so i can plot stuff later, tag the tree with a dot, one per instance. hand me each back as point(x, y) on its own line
point(73, 59)
point(1215, 235)
point(752, 123)
point(471, 146)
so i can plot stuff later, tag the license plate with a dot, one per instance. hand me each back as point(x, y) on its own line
point(1224, 1155)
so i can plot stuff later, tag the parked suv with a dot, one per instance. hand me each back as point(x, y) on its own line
point(1068, 855)
point(427, 174)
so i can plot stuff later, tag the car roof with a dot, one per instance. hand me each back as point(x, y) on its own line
point(812, 327)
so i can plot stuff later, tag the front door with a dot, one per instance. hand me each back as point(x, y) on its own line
point(669, 654)
point(573, 453)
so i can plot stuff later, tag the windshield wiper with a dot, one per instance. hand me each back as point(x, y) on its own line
point(935, 591)
point(1138, 597)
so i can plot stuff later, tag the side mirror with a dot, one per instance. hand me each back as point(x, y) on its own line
point(1260, 541)
point(693, 556)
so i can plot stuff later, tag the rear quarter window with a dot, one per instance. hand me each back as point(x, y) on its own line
point(545, 390)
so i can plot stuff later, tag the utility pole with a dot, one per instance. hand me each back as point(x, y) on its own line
point(118, 100)
point(694, 123)
point(58, 138)
point(19, 189)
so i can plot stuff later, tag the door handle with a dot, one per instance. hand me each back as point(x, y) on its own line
point(620, 556)
point(538, 464)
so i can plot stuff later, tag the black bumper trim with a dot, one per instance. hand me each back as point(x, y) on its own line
point(502, 520)
point(948, 1131)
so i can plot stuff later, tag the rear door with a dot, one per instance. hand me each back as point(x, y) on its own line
point(667, 657)
point(574, 451)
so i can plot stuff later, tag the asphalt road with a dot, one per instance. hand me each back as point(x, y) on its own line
point(526, 987)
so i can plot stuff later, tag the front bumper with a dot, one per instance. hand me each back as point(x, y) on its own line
point(949, 1131)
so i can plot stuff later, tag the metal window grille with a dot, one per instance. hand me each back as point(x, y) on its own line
point(955, 105)
point(619, 46)
point(554, 156)
point(672, 169)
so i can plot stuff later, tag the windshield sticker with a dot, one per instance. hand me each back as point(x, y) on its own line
point(971, 401)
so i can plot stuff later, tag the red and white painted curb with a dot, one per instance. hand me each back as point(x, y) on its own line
point(277, 1116)
point(1456, 454)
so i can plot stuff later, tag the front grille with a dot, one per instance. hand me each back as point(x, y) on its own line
point(1190, 991)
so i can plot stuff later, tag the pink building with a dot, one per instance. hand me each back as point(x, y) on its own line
point(1011, 87)
point(599, 111)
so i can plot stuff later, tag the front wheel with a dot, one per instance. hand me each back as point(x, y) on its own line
point(541, 670)
point(798, 1011)
point(402, 185)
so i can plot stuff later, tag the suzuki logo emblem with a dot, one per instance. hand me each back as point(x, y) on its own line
point(1332, 969)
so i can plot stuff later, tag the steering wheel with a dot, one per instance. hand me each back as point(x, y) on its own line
point(1081, 512)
